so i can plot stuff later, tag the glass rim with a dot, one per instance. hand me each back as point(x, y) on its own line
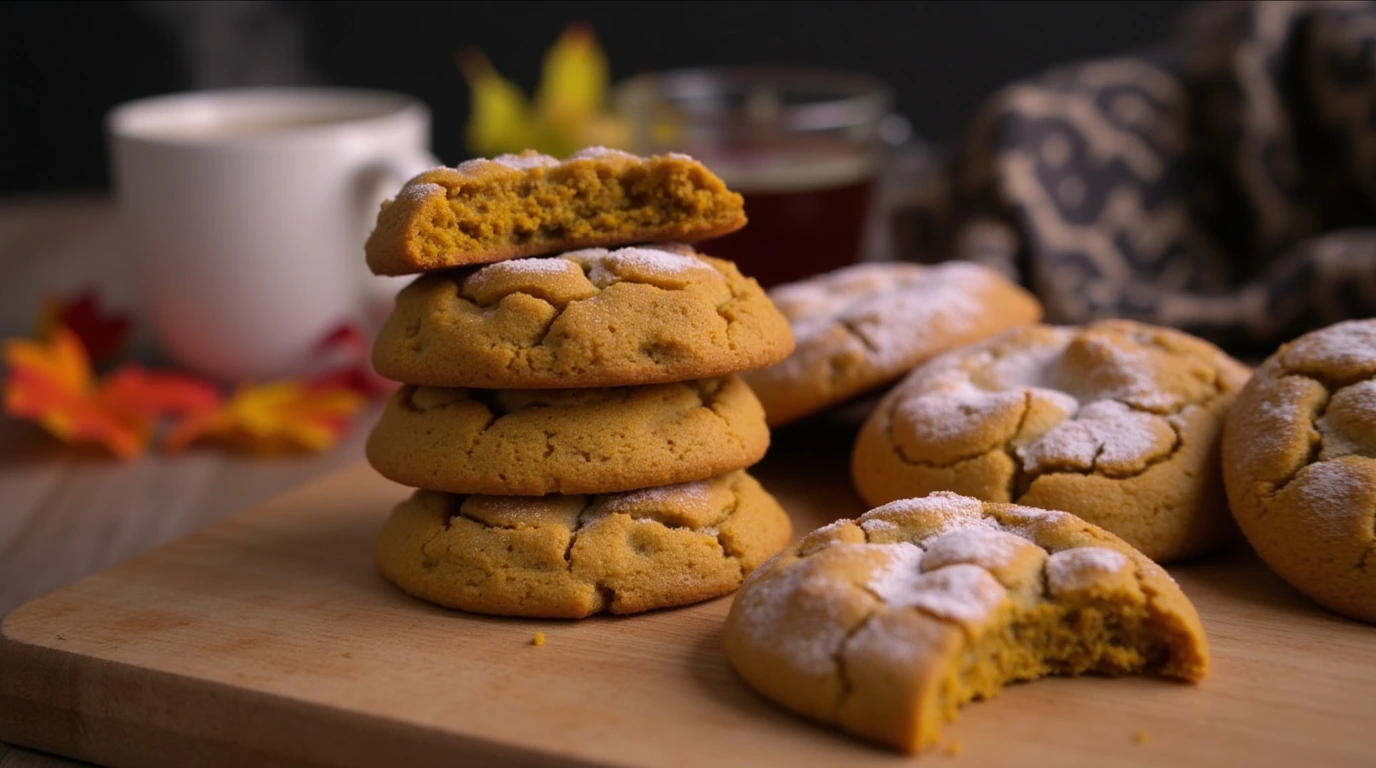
point(844, 98)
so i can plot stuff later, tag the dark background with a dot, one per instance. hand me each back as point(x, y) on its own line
point(62, 65)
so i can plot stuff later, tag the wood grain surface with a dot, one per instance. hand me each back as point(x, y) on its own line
point(269, 639)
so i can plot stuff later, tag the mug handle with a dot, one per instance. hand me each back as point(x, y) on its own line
point(374, 183)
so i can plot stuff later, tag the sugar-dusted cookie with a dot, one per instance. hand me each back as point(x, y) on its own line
point(885, 625)
point(1117, 422)
point(573, 556)
point(532, 204)
point(536, 441)
point(592, 318)
point(1299, 459)
point(864, 326)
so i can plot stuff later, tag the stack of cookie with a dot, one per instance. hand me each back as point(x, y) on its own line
point(574, 420)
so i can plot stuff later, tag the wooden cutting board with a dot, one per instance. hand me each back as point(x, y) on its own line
point(269, 640)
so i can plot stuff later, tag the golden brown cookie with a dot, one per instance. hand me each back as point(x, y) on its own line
point(864, 326)
point(573, 556)
point(1299, 459)
point(592, 318)
point(532, 204)
point(535, 441)
point(1117, 422)
point(885, 625)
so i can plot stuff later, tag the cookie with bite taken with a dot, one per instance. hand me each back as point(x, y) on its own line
point(531, 204)
point(885, 625)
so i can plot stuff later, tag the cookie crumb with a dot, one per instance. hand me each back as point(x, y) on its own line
point(539, 639)
point(1140, 737)
point(954, 749)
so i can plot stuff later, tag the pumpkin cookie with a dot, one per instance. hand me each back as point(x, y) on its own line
point(573, 556)
point(537, 441)
point(1117, 422)
point(1299, 460)
point(885, 625)
point(863, 326)
point(532, 204)
point(592, 318)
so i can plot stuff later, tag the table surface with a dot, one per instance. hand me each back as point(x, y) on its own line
point(66, 512)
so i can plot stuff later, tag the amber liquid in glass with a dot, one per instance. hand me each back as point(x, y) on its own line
point(806, 211)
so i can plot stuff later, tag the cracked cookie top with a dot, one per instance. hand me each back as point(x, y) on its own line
point(884, 625)
point(1299, 454)
point(863, 326)
point(536, 441)
point(573, 556)
point(589, 318)
point(531, 204)
point(1115, 421)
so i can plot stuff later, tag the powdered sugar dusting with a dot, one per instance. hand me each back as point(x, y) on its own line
point(937, 513)
point(608, 267)
point(537, 267)
point(874, 526)
point(417, 193)
point(1337, 496)
point(898, 311)
point(588, 153)
point(946, 416)
point(1124, 374)
point(526, 162)
point(767, 604)
point(1082, 567)
point(964, 593)
point(989, 549)
point(1347, 344)
point(898, 576)
point(1106, 435)
point(696, 494)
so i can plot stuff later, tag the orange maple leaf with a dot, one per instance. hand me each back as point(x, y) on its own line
point(51, 384)
point(268, 419)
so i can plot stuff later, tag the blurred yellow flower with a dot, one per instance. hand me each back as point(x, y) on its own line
point(569, 109)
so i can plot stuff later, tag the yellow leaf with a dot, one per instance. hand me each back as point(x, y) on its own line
point(571, 100)
point(499, 117)
point(573, 83)
point(569, 110)
point(273, 418)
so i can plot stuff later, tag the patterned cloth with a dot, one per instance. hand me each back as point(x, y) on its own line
point(1224, 183)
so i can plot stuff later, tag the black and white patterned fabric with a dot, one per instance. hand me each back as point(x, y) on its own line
point(1223, 184)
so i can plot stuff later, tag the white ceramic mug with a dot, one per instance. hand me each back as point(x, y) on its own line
point(247, 211)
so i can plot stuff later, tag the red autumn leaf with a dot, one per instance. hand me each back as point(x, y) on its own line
point(50, 383)
point(357, 372)
point(157, 393)
point(102, 333)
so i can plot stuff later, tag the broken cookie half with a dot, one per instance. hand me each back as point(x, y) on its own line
point(885, 625)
